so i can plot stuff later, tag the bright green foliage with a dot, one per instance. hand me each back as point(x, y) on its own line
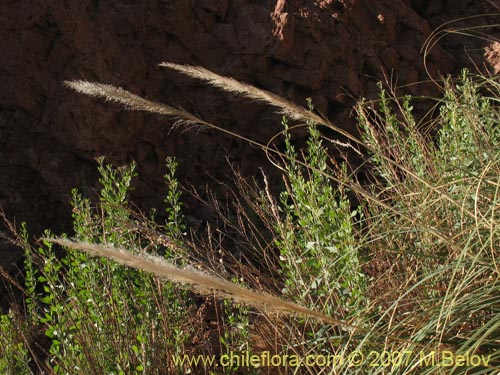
point(102, 317)
point(470, 132)
point(14, 356)
point(316, 239)
point(235, 336)
point(114, 205)
point(174, 226)
point(468, 146)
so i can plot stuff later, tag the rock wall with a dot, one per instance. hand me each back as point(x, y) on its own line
point(330, 50)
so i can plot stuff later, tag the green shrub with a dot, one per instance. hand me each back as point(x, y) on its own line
point(14, 354)
point(102, 317)
point(317, 236)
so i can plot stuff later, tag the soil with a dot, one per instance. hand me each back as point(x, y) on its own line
point(333, 51)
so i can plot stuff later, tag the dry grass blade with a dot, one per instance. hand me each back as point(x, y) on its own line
point(6, 276)
point(129, 100)
point(495, 4)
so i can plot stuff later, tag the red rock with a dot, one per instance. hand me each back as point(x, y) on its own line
point(492, 55)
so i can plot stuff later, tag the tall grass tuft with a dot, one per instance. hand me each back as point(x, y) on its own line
point(439, 287)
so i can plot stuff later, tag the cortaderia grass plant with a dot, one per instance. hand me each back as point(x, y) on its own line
point(395, 271)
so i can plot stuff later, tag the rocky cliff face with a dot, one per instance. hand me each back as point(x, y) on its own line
point(330, 50)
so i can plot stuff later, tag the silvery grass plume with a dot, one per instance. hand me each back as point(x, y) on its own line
point(231, 85)
point(135, 102)
point(228, 84)
point(206, 284)
point(201, 282)
point(129, 100)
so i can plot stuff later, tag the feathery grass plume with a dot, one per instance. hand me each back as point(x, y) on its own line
point(228, 84)
point(129, 100)
point(201, 282)
point(134, 102)
point(231, 85)
point(207, 284)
